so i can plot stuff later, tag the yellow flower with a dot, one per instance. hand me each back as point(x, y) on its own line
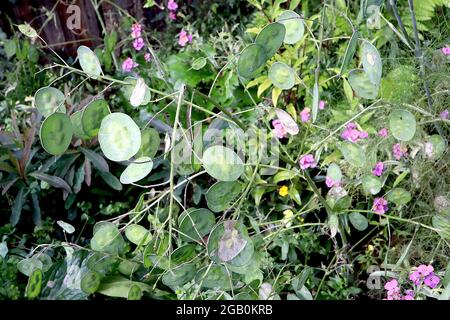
point(283, 191)
point(370, 247)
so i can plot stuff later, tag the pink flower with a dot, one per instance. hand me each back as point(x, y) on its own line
point(383, 132)
point(378, 169)
point(446, 50)
point(128, 65)
point(136, 30)
point(380, 205)
point(432, 280)
point(305, 114)
point(408, 297)
point(415, 277)
point(331, 183)
point(351, 133)
point(147, 57)
point(138, 44)
point(307, 161)
point(391, 285)
point(184, 38)
point(399, 151)
point(425, 270)
point(172, 5)
point(322, 104)
point(444, 114)
point(172, 16)
point(279, 129)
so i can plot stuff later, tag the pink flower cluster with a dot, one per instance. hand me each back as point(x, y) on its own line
point(378, 169)
point(426, 275)
point(399, 151)
point(128, 65)
point(172, 6)
point(383, 132)
point(444, 114)
point(307, 161)
point(351, 133)
point(380, 205)
point(136, 32)
point(446, 50)
point(331, 183)
point(305, 114)
point(279, 129)
point(184, 38)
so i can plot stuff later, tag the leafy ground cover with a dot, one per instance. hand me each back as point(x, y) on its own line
point(292, 150)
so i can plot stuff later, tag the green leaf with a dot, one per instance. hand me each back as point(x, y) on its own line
point(349, 52)
point(16, 209)
point(54, 181)
point(179, 275)
point(399, 196)
point(194, 224)
point(199, 63)
point(353, 153)
point(402, 124)
point(358, 221)
point(220, 195)
point(97, 160)
point(111, 180)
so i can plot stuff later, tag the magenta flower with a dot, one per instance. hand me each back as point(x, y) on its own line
point(172, 5)
point(391, 285)
point(331, 183)
point(446, 50)
point(383, 132)
point(172, 16)
point(147, 57)
point(351, 133)
point(307, 161)
point(425, 270)
point(432, 280)
point(415, 277)
point(378, 169)
point(138, 44)
point(305, 114)
point(184, 38)
point(322, 104)
point(399, 151)
point(279, 129)
point(444, 114)
point(128, 65)
point(408, 297)
point(136, 30)
point(380, 205)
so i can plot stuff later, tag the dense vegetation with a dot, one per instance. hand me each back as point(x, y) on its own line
point(288, 150)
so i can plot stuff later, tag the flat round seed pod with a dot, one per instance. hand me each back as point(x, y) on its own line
point(150, 142)
point(78, 131)
point(282, 76)
point(294, 26)
point(119, 137)
point(56, 133)
point(137, 170)
point(34, 285)
point(93, 115)
point(49, 100)
point(402, 124)
point(361, 84)
point(89, 61)
point(195, 224)
point(221, 194)
point(371, 61)
point(271, 38)
point(251, 59)
point(90, 282)
point(222, 163)
point(137, 234)
point(289, 124)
